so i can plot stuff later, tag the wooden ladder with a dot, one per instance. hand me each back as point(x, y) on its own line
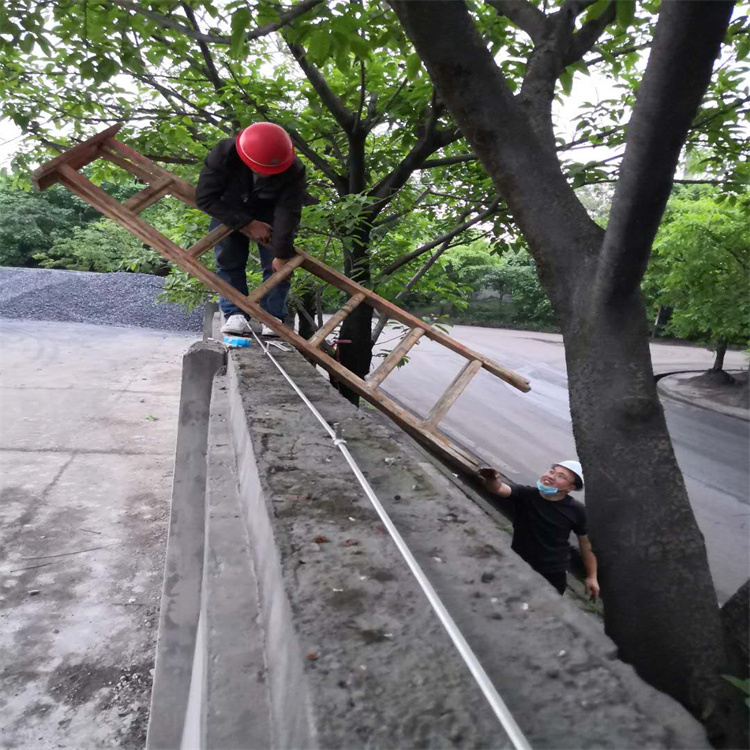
point(160, 182)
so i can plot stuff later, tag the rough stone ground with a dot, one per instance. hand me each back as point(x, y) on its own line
point(89, 417)
point(114, 299)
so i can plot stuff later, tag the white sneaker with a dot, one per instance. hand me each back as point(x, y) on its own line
point(236, 325)
point(269, 332)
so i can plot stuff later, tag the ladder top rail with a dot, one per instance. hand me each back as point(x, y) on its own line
point(333, 277)
point(77, 157)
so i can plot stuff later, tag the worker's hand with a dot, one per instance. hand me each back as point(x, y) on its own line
point(259, 231)
point(489, 474)
point(592, 588)
point(278, 263)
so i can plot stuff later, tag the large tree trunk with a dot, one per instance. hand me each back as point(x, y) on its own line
point(661, 607)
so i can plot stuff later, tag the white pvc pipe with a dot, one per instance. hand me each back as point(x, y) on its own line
point(497, 704)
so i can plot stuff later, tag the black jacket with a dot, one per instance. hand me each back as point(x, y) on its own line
point(230, 192)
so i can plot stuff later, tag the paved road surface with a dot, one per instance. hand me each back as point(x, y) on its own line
point(520, 432)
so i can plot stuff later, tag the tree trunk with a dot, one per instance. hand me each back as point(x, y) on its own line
point(721, 350)
point(661, 608)
point(735, 616)
point(355, 347)
point(306, 312)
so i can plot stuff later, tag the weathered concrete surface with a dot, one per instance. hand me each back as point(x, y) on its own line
point(181, 600)
point(87, 433)
point(355, 656)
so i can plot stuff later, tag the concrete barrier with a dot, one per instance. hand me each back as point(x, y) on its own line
point(183, 574)
point(326, 640)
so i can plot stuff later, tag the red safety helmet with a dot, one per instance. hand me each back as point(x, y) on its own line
point(265, 148)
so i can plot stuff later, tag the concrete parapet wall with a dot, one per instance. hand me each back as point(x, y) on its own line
point(354, 656)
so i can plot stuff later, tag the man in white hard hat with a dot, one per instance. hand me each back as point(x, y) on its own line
point(544, 517)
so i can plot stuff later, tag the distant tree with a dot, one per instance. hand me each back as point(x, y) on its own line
point(30, 222)
point(516, 275)
point(701, 268)
point(100, 246)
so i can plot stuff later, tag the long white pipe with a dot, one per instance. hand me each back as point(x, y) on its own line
point(497, 704)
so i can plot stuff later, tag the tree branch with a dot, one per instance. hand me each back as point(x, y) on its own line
point(448, 160)
point(526, 16)
point(168, 23)
point(408, 257)
point(373, 118)
point(686, 43)
point(362, 94)
point(212, 74)
point(331, 100)
point(583, 40)
point(430, 141)
point(619, 52)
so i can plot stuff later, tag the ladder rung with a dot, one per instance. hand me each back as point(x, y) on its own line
point(149, 195)
point(180, 188)
point(109, 153)
point(205, 243)
point(284, 272)
point(336, 318)
point(392, 360)
point(455, 389)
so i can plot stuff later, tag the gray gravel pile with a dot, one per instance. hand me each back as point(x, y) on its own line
point(114, 299)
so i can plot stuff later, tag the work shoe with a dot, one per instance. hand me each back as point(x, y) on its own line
point(236, 325)
point(269, 332)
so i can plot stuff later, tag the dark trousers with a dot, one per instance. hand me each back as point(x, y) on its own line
point(231, 265)
point(558, 580)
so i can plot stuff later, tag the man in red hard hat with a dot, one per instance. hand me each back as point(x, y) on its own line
point(543, 518)
point(255, 182)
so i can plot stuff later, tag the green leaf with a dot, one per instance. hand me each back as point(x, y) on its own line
point(566, 80)
point(319, 47)
point(27, 43)
point(596, 10)
point(625, 13)
point(412, 66)
point(240, 22)
point(360, 47)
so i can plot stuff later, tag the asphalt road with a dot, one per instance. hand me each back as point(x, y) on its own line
point(519, 433)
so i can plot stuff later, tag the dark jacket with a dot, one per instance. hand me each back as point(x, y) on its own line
point(230, 192)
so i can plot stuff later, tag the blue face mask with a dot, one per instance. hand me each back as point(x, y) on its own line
point(546, 490)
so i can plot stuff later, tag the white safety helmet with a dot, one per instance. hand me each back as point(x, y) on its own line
point(575, 467)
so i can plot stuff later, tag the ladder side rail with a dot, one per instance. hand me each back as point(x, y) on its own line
point(144, 175)
point(319, 269)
